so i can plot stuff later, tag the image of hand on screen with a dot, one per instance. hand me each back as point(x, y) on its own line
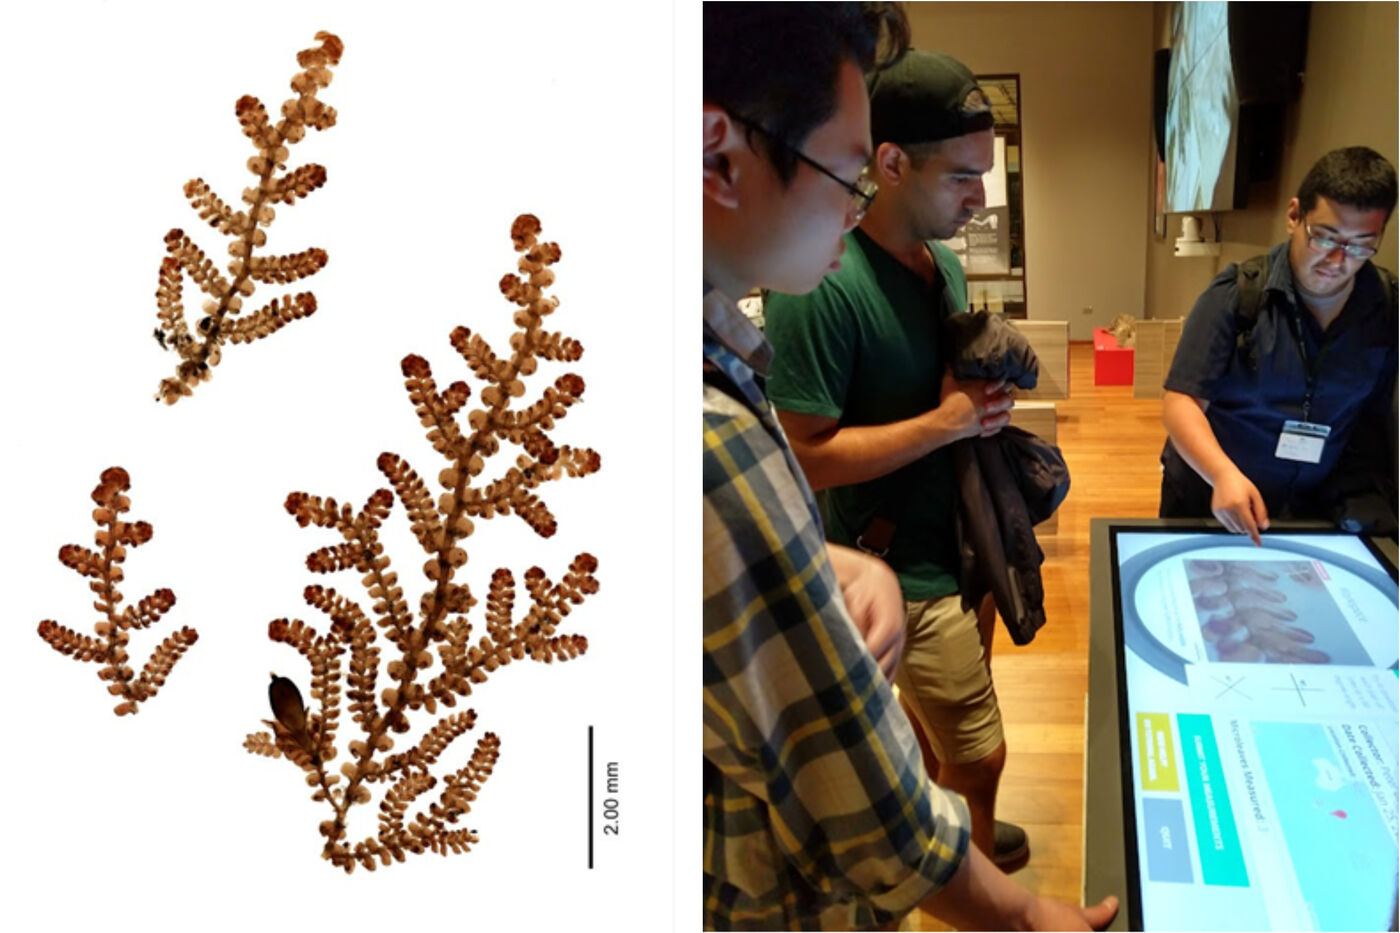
point(1250, 611)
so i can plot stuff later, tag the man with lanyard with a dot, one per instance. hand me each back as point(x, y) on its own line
point(1285, 373)
point(816, 801)
point(861, 384)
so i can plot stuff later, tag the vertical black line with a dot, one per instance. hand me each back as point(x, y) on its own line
point(590, 796)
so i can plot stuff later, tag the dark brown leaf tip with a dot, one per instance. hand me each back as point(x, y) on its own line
point(415, 367)
point(295, 505)
point(525, 228)
point(140, 533)
point(116, 476)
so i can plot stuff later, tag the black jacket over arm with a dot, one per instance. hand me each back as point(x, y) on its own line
point(1007, 483)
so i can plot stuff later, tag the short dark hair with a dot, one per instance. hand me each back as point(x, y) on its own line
point(776, 64)
point(1355, 176)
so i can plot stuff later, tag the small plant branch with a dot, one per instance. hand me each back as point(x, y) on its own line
point(200, 350)
point(103, 567)
point(433, 660)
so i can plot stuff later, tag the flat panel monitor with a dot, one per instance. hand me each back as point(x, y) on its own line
point(1258, 730)
point(1202, 110)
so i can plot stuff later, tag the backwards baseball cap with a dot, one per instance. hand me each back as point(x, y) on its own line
point(923, 98)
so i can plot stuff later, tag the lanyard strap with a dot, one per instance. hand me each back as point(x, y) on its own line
point(1310, 366)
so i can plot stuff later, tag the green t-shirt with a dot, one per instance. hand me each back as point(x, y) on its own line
point(865, 348)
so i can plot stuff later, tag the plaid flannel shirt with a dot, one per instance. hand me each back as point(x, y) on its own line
point(815, 794)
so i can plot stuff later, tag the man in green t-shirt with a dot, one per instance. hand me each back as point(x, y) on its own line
point(861, 383)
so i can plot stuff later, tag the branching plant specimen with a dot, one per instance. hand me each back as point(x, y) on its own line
point(200, 351)
point(103, 565)
point(435, 658)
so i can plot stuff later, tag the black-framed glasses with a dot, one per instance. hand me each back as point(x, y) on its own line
point(863, 189)
point(1324, 243)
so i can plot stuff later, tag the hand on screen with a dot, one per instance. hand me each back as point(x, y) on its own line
point(1216, 597)
point(1242, 573)
point(1280, 643)
point(1264, 598)
point(1048, 914)
point(1239, 652)
point(1284, 648)
point(1236, 503)
point(1248, 625)
point(1207, 587)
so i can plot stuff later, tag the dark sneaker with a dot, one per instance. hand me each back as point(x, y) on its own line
point(1012, 849)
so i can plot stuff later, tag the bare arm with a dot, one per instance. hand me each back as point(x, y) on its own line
point(835, 456)
point(981, 896)
point(1236, 501)
point(872, 596)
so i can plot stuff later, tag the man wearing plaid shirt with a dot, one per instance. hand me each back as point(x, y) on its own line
point(818, 811)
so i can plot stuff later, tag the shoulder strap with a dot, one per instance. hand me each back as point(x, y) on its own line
point(1249, 281)
point(1387, 285)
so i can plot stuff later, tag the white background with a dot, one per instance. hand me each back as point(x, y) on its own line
point(451, 123)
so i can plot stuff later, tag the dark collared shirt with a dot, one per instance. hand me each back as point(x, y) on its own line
point(1355, 361)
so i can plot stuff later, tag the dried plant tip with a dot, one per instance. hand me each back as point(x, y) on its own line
point(201, 350)
point(113, 537)
point(114, 480)
point(524, 231)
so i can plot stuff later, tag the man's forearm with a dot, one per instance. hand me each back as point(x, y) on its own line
point(980, 896)
point(1185, 420)
point(856, 454)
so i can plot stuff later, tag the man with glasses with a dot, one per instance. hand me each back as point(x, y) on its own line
point(1282, 390)
point(862, 388)
point(818, 811)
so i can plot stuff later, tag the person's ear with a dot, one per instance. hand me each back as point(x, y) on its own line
point(723, 137)
point(891, 165)
point(1295, 214)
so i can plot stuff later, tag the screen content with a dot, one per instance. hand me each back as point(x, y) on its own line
point(1261, 697)
point(1202, 108)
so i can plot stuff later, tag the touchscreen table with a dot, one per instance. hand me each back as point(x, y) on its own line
point(1257, 730)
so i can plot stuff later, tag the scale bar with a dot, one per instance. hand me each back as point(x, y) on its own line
point(590, 796)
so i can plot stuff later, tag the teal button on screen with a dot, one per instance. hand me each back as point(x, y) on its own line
point(1217, 840)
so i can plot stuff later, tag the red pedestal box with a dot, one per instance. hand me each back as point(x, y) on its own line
point(1113, 365)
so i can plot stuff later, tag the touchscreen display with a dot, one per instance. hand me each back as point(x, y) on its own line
point(1261, 697)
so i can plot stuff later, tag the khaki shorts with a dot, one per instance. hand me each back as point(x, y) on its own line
point(944, 679)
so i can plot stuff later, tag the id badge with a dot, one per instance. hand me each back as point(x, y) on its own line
point(1302, 441)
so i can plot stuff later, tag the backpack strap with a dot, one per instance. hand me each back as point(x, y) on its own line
point(1250, 277)
point(1388, 288)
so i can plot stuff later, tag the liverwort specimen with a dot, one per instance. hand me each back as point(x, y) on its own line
point(103, 565)
point(430, 656)
point(221, 323)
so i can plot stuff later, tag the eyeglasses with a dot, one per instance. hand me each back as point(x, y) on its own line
point(863, 190)
point(1324, 243)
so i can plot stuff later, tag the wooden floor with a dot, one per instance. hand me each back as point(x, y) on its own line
point(1111, 443)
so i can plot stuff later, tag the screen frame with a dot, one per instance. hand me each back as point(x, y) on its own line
point(1110, 813)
